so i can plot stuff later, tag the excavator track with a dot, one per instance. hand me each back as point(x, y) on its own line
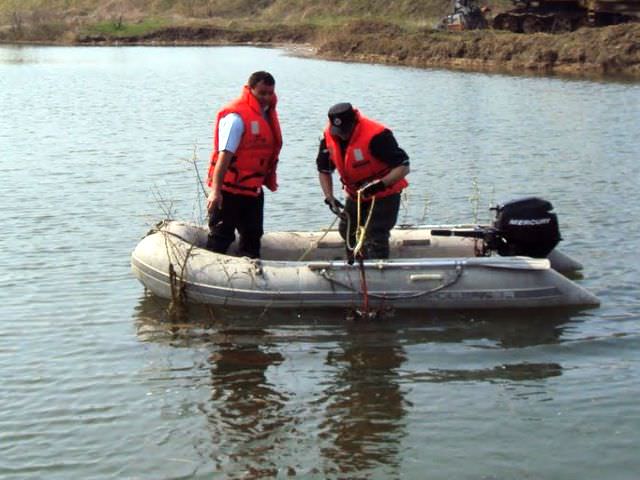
point(559, 16)
point(531, 22)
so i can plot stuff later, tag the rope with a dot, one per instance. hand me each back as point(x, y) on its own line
point(361, 231)
point(361, 235)
point(459, 269)
point(365, 290)
point(312, 246)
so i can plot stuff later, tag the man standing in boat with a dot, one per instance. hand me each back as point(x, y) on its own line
point(246, 144)
point(372, 168)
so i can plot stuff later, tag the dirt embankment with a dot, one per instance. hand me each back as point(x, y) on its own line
point(208, 35)
point(606, 52)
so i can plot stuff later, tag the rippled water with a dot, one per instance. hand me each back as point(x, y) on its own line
point(95, 147)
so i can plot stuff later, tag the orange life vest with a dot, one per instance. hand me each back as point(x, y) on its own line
point(358, 166)
point(254, 163)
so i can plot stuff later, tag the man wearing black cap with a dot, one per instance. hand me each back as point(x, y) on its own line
point(369, 161)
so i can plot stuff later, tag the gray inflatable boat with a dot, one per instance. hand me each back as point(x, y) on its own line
point(430, 267)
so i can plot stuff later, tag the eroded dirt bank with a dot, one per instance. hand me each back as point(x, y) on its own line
point(609, 51)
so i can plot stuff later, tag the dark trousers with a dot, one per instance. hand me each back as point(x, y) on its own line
point(383, 219)
point(242, 213)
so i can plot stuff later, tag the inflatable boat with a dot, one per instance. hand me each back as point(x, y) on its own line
point(430, 267)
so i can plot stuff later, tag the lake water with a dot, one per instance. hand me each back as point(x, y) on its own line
point(96, 145)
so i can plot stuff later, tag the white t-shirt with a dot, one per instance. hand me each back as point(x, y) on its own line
point(230, 130)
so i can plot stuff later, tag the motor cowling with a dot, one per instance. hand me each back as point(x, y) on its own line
point(526, 227)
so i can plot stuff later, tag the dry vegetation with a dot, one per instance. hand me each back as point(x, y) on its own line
point(397, 32)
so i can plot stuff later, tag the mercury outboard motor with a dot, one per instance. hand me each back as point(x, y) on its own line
point(526, 227)
point(521, 227)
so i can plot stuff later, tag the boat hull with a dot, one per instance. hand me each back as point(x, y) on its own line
point(169, 262)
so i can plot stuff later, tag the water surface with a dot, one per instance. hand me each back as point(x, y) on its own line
point(96, 145)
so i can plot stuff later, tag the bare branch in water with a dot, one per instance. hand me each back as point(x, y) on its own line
point(492, 200)
point(404, 203)
point(165, 204)
point(193, 162)
point(425, 208)
point(474, 198)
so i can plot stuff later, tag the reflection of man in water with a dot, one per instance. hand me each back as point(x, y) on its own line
point(245, 404)
point(365, 406)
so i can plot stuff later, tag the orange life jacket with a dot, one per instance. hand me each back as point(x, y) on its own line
point(254, 163)
point(358, 166)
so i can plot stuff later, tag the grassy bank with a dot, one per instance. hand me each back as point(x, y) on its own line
point(33, 19)
point(395, 32)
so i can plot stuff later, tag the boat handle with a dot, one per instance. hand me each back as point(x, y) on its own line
point(419, 277)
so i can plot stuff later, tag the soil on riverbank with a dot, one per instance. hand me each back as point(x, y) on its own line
point(606, 52)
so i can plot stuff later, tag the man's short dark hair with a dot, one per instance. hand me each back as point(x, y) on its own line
point(257, 77)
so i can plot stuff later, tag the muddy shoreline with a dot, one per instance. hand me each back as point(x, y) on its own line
point(607, 53)
point(610, 52)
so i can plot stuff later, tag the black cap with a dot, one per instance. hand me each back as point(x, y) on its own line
point(342, 117)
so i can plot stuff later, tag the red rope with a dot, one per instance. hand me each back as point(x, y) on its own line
point(365, 291)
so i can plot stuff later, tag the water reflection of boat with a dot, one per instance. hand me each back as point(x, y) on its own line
point(245, 411)
point(355, 410)
point(284, 382)
point(485, 329)
point(425, 272)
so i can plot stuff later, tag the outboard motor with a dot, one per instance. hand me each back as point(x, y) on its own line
point(526, 227)
point(522, 227)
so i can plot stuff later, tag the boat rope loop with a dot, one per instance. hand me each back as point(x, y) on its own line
point(361, 235)
point(458, 273)
point(361, 230)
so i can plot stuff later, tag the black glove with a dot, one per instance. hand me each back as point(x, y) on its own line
point(372, 188)
point(335, 206)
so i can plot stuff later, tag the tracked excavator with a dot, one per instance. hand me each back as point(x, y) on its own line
point(532, 16)
point(558, 16)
